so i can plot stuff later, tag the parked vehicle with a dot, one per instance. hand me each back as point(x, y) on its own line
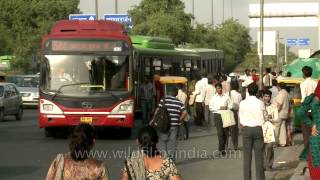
point(10, 101)
point(28, 86)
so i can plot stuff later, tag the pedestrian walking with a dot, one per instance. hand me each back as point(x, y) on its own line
point(274, 89)
point(267, 78)
point(217, 103)
point(236, 98)
point(77, 164)
point(199, 93)
point(184, 126)
point(251, 114)
point(245, 80)
point(282, 103)
point(177, 113)
point(209, 93)
point(273, 117)
point(147, 163)
point(312, 102)
point(146, 96)
point(307, 87)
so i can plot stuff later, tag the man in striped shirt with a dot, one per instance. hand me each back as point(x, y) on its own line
point(177, 112)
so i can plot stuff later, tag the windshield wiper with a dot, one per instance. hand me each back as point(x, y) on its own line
point(62, 86)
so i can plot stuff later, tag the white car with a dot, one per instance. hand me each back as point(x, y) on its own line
point(28, 86)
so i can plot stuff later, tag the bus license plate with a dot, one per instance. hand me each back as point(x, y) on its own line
point(86, 120)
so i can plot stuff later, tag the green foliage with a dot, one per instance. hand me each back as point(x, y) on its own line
point(252, 59)
point(27, 22)
point(230, 36)
point(164, 18)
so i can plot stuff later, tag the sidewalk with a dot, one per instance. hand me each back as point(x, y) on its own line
point(215, 167)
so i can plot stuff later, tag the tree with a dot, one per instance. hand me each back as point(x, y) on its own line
point(230, 36)
point(28, 21)
point(164, 18)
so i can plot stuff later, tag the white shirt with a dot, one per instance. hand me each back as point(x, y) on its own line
point(267, 81)
point(219, 100)
point(182, 96)
point(251, 112)
point(246, 80)
point(307, 87)
point(274, 90)
point(199, 91)
point(209, 93)
point(236, 99)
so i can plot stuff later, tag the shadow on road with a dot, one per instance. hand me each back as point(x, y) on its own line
point(7, 172)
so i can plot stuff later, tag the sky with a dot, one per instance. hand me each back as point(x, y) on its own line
point(237, 9)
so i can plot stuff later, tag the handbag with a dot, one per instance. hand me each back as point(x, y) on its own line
point(227, 118)
point(315, 150)
point(60, 166)
point(268, 132)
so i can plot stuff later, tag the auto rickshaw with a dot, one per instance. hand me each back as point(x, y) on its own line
point(167, 81)
point(293, 88)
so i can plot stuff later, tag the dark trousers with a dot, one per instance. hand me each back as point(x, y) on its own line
point(146, 106)
point(234, 130)
point(222, 132)
point(200, 114)
point(253, 140)
point(268, 155)
point(306, 132)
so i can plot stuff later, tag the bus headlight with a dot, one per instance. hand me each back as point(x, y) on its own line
point(125, 107)
point(48, 107)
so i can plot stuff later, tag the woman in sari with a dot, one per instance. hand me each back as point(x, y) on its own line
point(78, 164)
point(147, 163)
point(312, 102)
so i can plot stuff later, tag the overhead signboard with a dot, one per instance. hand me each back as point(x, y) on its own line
point(298, 42)
point(82, 17)
point(122, 18)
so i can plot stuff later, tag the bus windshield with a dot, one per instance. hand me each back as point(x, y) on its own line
point(84, 75)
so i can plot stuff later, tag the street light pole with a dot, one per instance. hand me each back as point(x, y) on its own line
point(278, 52)
point(285, 51)
point(97, 12)
point(116, 6)
point(261, 43)
point(212, 20)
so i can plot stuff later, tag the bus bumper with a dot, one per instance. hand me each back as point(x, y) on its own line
point(110, 120)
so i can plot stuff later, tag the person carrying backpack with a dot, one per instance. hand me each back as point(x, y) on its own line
point(176, 112)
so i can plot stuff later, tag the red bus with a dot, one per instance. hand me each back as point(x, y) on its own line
point(85, 76)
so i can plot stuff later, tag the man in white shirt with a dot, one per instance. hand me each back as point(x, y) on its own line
point(236, 98)
point(245, 81)
point(282, 103)
point(267, 78)
point(307, 87)
point(273, 117)
point(251, 114)
point(209, 93)
point(199, 94)
point(217, 103)
point(274, 89)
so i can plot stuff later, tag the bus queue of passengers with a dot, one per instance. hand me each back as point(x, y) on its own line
point(262, 115)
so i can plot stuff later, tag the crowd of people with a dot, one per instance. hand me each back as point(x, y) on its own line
point(229, 104)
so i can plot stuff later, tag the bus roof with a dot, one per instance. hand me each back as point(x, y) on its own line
point(148, 45)
point(203, 52)
point(152, 42)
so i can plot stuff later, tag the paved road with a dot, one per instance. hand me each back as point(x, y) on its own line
point(26, 154)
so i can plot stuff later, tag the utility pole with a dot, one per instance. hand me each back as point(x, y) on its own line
point(261, 43)
point(231, 7)
point(222, 10)
point(285, 51)
point(193, 12)
point(212, 19)
point(116, 6)
point(278, 52)
point(97, 12)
